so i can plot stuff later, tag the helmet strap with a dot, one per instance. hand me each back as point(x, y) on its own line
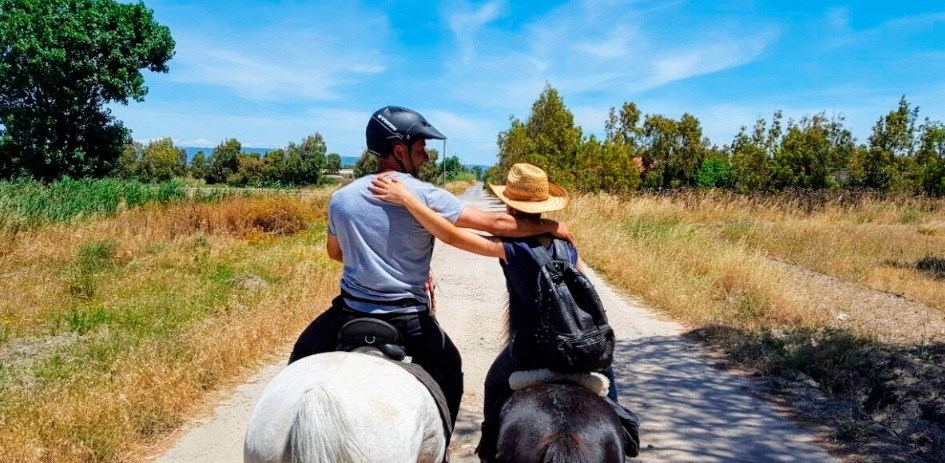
point(403, 168)
point(400, 164)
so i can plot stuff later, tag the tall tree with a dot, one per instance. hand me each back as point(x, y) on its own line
point(548, 139)
point(126, 166)
point(606, 166)
point(672, 150)
point(622, 128)
point(812, 153)
point(931, 157)
point(431, 171)
point(366, 164)
point(61, 63)
point(452, 166)
point(332, 163)
point(305, 161)
point(892, 140)
point(224, 160)
point(199, 166)
point(274, 166)
point(750, 162)
point(160, 161)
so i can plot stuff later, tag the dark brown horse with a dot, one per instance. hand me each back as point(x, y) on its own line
point(558, 423)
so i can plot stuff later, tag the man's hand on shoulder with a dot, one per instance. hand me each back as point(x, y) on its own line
point(562, 231)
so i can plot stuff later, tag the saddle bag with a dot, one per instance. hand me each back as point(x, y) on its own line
point(573, 334)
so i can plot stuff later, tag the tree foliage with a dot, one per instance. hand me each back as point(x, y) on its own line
point(812, 153)
point(199, 165)
point(161, 161)
point(548, 139)
point(891, 147)
point(224, 161)
point(672, 150)
point(61, 63)
point(366, 164)
point(332, 163)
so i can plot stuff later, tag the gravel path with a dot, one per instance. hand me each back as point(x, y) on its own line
point(690, 410)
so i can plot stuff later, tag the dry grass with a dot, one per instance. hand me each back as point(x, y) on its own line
point(119, 327)
point(459, 186)
point(653, 249)
point(735, 270)
point(713, 258)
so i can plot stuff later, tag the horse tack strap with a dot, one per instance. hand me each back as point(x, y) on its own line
point(421, 374)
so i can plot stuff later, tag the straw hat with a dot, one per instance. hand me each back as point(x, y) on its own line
point(527, 189)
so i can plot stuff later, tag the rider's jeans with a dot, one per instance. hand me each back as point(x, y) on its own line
point(424, 340)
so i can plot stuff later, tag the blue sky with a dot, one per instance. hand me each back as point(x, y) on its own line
point(271, 72)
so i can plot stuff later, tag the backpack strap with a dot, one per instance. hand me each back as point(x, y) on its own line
point(561, 250)
point(539, 253)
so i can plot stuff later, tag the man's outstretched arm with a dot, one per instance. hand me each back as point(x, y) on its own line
point(503, 224)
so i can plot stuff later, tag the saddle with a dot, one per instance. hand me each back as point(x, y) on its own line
point(371, 336)
point(594, 382)
point(376, 337)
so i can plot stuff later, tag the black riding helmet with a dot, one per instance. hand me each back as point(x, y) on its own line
point(394, 123)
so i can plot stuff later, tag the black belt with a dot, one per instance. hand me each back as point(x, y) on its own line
point(400, 303)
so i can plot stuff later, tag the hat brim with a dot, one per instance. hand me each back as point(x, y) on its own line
point(557, 199)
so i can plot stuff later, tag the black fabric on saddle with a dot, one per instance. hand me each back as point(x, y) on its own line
point(371, 332)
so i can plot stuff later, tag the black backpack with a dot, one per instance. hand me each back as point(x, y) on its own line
point(573, 335)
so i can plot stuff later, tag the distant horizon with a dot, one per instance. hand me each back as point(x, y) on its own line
point(345, 160)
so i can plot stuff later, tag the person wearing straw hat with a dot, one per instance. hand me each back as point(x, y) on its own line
point(386, 253)
point(526, 193)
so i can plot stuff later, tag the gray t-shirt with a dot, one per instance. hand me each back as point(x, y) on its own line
point(386, 251)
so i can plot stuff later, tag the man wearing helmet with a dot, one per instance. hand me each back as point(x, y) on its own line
point(386, 253)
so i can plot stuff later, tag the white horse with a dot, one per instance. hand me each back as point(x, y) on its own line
point(342, 407)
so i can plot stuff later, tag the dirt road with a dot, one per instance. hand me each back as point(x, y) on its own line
point(690, 410)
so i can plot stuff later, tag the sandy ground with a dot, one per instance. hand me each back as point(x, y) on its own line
point(691, 411)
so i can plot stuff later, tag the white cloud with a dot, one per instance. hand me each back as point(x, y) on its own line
point(617, 44)
point(466, 24)
point(712, 57)
point(280, 61)
point(583, 48)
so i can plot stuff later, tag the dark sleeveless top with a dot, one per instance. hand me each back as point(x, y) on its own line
point(521, 276)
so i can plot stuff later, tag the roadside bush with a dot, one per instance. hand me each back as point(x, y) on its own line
point(715, 173)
